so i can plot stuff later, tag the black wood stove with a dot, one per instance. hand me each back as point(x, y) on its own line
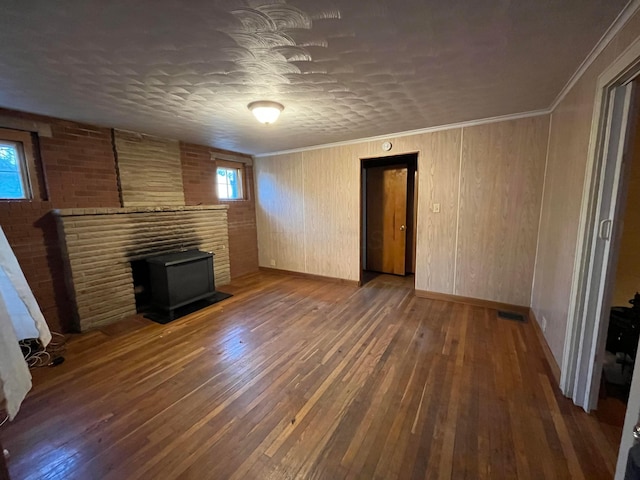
point(180, 278)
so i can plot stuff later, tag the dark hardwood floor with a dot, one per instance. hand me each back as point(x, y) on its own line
point(297, 378)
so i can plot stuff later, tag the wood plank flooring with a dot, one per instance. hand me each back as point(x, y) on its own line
point(304, 379)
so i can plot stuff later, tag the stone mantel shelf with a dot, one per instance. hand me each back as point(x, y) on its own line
point(70, 212)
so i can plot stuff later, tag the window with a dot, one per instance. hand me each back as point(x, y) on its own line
point(14, 175)
point(229, 183)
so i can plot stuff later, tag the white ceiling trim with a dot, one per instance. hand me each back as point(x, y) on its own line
point(343, 68)
point(629, 10)
point(617, 25)
point(391, 136)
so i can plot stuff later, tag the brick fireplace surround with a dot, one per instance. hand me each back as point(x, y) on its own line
point(76, 168)
point(101, 243)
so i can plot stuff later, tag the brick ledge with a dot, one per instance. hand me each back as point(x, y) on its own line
point(70, 212)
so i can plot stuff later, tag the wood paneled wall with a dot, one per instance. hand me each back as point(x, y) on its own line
point(280, 214)
point(332, 215)
point(308, 208)
point(500, 191)
point(438, 182)
point(564, 183)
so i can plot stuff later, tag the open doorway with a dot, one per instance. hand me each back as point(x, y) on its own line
point(594, 341)
point(622, 312)
point(388, 220)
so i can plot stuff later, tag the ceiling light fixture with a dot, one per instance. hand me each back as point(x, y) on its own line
point(266, 112)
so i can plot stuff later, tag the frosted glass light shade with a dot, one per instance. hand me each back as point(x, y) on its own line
point(266, 112)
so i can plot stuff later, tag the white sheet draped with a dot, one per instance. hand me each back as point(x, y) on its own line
point(20, 317)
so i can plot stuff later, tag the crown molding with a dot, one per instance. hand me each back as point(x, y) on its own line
point(618, 24)
point(391, 136)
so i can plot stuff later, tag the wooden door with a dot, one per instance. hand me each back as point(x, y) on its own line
point(386, 219)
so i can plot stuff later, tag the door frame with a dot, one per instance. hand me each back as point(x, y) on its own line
point(583, 327)
point(363, 189)
point(601, 247)
point(586, 330)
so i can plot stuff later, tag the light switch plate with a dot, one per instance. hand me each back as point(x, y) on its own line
point(436, 208)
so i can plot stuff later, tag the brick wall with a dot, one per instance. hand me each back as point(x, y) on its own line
point(243, 233)
point(77, 169)
point(198, 178)
point(79, 166)
point(32, 233)
point(198, 175)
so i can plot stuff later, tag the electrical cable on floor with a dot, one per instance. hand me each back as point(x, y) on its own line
point(38, 356)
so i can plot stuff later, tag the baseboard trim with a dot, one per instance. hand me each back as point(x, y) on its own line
point(551, 361)
point(526, 311)
point(310, 276)
point(476, 302)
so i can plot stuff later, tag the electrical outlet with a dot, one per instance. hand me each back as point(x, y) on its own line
point(272, 262)
point(543, 323)
point(436, 208)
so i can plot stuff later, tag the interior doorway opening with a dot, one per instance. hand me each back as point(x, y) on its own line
point(621, 315)
point(612, 155)
point(388, 220)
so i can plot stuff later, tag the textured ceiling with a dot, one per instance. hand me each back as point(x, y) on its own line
point(344, 69)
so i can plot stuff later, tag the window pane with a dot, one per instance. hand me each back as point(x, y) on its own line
point(8, 158)
point(232, 175)
point(221, 180)
point(11, 185)
point(229, 183)
point(14, 181)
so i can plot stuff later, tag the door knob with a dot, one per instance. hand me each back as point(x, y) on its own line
point(402, 228)
point(636, 431)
